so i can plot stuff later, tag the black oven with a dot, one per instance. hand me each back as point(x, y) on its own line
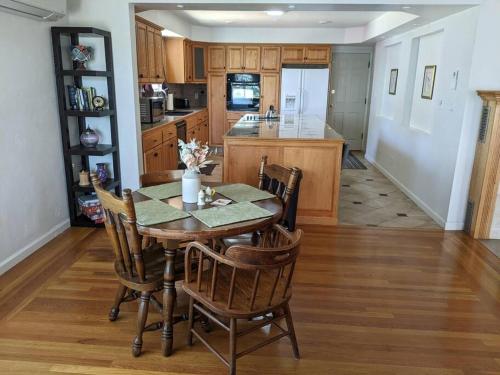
point(243, 92)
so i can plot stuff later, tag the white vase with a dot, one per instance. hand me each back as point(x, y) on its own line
point(191, 185)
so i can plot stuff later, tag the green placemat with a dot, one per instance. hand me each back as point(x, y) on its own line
point(155, 212)
point(233, 213)
point(243, 193)
point(163, 191)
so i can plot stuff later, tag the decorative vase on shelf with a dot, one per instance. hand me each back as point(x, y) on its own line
point(102, 172)
point(191, 184)
point(89, 138)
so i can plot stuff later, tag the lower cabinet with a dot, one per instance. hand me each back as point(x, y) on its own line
point(154, 160)
point(171, 153)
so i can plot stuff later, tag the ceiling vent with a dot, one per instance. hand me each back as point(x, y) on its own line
point(35, 9)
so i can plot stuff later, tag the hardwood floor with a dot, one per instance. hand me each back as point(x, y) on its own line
point(366, 301)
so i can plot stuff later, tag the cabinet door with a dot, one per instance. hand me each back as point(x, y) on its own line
point(158, 46)
point(217, 106)
point(235, 58)
point(251, 62)
point(199, 63)
point(292, 55)
point(270, 89)
point(270, 59)
point(204, 132)
point(141, 46)
point(317, 55)
point(216, 58)
point(154, 160)
point(188, 61)
point(171, 154)
point(150, 48)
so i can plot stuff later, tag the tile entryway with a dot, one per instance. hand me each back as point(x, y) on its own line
point(368, 198)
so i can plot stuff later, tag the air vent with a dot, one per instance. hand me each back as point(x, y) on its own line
point(483, 127)
point(468, 216)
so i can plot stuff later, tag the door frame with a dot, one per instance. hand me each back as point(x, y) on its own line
point(353, 49)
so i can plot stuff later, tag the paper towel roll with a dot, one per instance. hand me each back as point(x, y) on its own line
point(170, 102)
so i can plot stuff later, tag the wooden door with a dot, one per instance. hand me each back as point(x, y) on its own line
point(270, 59)
point(292, 55)
point(141, 46)
point(317, 55)
point(269, 91)
point(150, 48)
point(154, 160)
point(188, 61)
point(158, 46)
point(235, 58)
point(171, 153)
point(251, 61)
point(217, 106)
point(199, 58)
point(216, 58)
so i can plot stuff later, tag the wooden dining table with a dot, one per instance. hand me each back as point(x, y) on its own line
point(171, 234)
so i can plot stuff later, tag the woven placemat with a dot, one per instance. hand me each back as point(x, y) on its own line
point(163, 191)
point(243, 193)
point(155, 212)
point(233, 213)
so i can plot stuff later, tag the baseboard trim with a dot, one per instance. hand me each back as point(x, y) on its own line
point(29, 249)
point(420, 203)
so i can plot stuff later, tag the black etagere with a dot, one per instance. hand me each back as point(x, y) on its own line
point(74, 190)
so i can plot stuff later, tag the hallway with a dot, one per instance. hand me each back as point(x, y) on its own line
point(368, 198)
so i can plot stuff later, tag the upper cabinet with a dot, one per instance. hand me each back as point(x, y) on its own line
point(216, 58)
point(270, 59)
point(199, 58)
point(243, 58)
point(306, 54)
point(149, 52)
point(185, 61)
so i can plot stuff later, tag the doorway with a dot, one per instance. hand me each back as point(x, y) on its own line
point(348, 110)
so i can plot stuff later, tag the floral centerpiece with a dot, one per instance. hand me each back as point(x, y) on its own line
point(194, 155)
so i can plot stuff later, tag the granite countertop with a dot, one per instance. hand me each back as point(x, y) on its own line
point(286, 126)
point(168, 119)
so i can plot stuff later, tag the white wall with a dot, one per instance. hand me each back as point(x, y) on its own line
point(33, 205)
point(423, 163)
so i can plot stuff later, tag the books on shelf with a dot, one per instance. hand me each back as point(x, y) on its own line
point(90, 206)
point(80, 99)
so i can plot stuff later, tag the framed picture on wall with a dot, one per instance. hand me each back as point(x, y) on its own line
point(393, 81)
point(428, 83)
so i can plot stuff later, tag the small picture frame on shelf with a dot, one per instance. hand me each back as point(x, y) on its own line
point(393, 81)
point(428, 82)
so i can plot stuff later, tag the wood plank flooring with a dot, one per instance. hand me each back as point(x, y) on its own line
point(366, 301)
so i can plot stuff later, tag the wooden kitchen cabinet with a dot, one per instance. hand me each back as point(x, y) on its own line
point(243, 59)
point(149, 48)
point(270, 59)
point(217, 107)
point(178, 60)
point(154, 159)
point(188, 61)
point(306, 54)
point(171, 153)
point(199, 58)
point(269, 91)
point(216, 58)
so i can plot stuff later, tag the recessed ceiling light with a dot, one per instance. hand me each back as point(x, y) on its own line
point(228, 21)
point(275, 12)
point(322, 22)
point(406, 7)
point(180, 6)
point(291, 7)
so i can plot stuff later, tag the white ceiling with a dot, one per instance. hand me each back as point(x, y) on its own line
point(221, 18)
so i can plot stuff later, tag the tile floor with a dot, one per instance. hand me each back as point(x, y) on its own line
point(367, 197)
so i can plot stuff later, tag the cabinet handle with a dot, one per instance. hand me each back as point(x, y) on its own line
point(155, 154)
point(141, 75)
point(171, 145)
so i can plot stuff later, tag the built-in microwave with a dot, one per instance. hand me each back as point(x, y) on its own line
point(152, 109)
point(243, 92)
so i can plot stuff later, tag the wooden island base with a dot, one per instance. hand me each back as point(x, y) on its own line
point(319, 160)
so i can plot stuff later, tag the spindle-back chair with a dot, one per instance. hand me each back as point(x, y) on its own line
point(243, 283)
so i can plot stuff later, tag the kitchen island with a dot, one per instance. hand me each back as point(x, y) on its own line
point(305, 142)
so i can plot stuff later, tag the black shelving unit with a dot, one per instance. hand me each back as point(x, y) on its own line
point(71, 150)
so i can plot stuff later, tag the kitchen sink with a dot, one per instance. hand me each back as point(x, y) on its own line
point(178, 113)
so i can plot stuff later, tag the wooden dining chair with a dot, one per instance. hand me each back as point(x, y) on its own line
point(139, 270)
point(162, 177)
point(282, 182)
point(243, 283)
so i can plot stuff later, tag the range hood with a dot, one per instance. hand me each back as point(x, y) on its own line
point(43, 10)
